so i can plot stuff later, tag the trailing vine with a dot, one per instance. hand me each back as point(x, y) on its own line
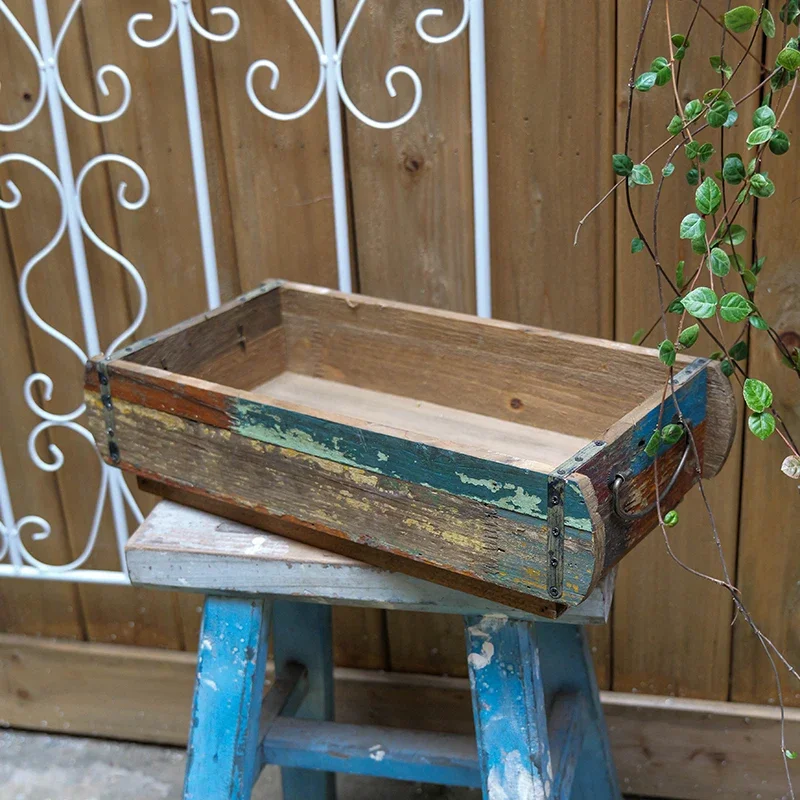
point(716, 290)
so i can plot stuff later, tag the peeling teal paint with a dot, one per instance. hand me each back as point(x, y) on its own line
point(507, 487)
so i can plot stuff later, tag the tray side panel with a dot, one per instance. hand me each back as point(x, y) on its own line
point(416, 522)
point(240, 344)
point(509, 487)
point(625, 455)
point(519, 373)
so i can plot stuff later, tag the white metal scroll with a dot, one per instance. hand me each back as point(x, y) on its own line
point(15, 558)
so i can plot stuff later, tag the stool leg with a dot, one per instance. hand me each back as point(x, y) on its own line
point(567, 667)
point(509, 708)
point(222, 759)
point(302, 633)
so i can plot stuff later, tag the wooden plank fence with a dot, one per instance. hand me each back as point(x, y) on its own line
point(557, 76)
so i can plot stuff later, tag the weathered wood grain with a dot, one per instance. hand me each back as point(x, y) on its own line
point(354, 550)
point(411, 186)
point(183, 548)
point(483, 542)
point(504, 370)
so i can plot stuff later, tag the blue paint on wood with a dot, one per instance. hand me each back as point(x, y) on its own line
point(692, 397)
point(567, 726)
point(302, 634)
point(507, 487)
point(509, 708)
point(567, 668)
point(222, 762)
point(445, 759)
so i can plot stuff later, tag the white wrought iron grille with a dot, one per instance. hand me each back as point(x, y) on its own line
point(16, 560)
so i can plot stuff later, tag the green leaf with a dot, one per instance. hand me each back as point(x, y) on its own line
point(680, 53)
point(791, 467)
point(637, 245)
point(757, 395)
point(738, 261)
point(675, 125)
point(789, 59)
point(693, 176)
point(764, 116)
point(693, 109)
point(663, 76)
point(740, 19)
point(733, 169)
point(733, 115)
point(779, 143)
point(718, 94)
point(699, 245)
point(670, 434)
point(692, 225)
point(668, 169)
point(739, 351)
point(689, 336)
point(734, 308)
point(758, 265)
point(759, 323)
point(717, 115)
point(638, 336)
point(701, 302)
point(768, 23)
point(679, 274)
point(790, 754)
point(659, 63)
point(750, 280)
point(761, 186)
point(790, 11)
point(641, 175)
point(676, 306)
point(718, 65)
point(645, 82)
point(734, 235)
point(708, 197)
point(762, 425)
point(671, 518)
point(666, 352)
point(651, 448)
point(759, 136)
point(705, 152)
point(719, 262)
point(622, 164)
point(780, 78)
point(679, 40)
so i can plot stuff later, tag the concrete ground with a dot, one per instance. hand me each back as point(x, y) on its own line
point(38, 766)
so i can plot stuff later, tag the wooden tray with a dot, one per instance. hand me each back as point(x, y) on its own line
point(473, 453)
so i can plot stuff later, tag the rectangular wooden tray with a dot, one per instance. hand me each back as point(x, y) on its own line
point(473, 453)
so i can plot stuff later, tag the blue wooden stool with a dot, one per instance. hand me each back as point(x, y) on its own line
point(539, 726)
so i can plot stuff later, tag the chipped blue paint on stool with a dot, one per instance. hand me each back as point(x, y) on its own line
point(540, 732)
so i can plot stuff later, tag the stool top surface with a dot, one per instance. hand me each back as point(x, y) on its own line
point(178, 547)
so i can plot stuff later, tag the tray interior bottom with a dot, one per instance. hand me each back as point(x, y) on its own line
point(461, 431)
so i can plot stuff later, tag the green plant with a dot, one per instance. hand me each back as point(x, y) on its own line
point(716, 289)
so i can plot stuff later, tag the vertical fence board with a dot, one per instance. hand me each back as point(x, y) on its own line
point(769, 569)
point(671, 629)
point(544, 166)
point(278, 171)
point(412, 186)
